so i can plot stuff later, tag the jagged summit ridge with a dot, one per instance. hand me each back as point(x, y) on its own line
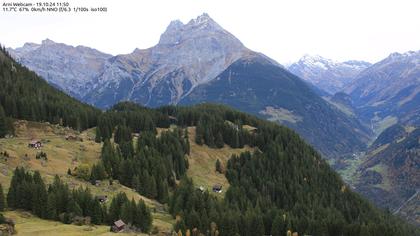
point(200, 27)
point(47, 41)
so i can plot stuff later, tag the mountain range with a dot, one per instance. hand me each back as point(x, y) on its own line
point(188, 58)
point(385, 97)
point(388, 92)
point(257, 86)
point(326, 74)
point(338, 107)
point(163, 174)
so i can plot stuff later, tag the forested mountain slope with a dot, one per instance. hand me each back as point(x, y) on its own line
point(272, 190)
point(257, 86)
point(24, 95)
point(390, 175)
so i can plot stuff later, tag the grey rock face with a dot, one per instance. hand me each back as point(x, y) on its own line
point(70, 69)
point(187, 55)
point(328, 75)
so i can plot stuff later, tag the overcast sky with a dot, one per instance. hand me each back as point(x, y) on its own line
point(284, 30)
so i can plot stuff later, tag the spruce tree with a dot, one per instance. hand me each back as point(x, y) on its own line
point(97, 215)
point(51, 207)
point(219, 140)
point(153, 188)
point(219, 166)
point(278, 227)
point(187, 142)
point(98, 137)
point(162, 195)
point(74, 208)
point(12, 195)
point(146, 217)
point(2, 199)
point(39, 196)
point(3, 123)
point(127, 212)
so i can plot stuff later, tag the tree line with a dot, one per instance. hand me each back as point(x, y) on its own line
point(284, 186)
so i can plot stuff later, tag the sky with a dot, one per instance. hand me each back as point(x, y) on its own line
point(284, 30)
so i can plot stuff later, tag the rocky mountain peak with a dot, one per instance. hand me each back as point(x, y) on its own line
point(47, 41)
point(412, 56)
point(204, 20)
point(316, 61)
point(202, 26)
point(175, 25)
point(27, 47)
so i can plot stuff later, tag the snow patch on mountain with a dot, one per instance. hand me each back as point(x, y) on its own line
point(327, 74)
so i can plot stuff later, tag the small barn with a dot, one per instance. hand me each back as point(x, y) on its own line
point(102, 198)
point(118, 226)
point(35, 144)
point(72, 137)
point(250, 129)
point(217, 188)
point(172, 120)
point(202, 189)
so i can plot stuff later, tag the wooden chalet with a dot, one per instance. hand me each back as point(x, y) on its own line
point(172, 120)
point(35, 144)
point(217, 188)
point(118, 226)
point(102, 198)
point(71, 137)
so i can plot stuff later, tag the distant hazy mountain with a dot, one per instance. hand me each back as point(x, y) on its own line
point(68, 68)
point(327, 74)
point(390, 174)
point(256, 85)
point(389, 91)
point(191, 59)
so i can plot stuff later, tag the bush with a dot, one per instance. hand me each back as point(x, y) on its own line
point(41, 155)
point(83, 172)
